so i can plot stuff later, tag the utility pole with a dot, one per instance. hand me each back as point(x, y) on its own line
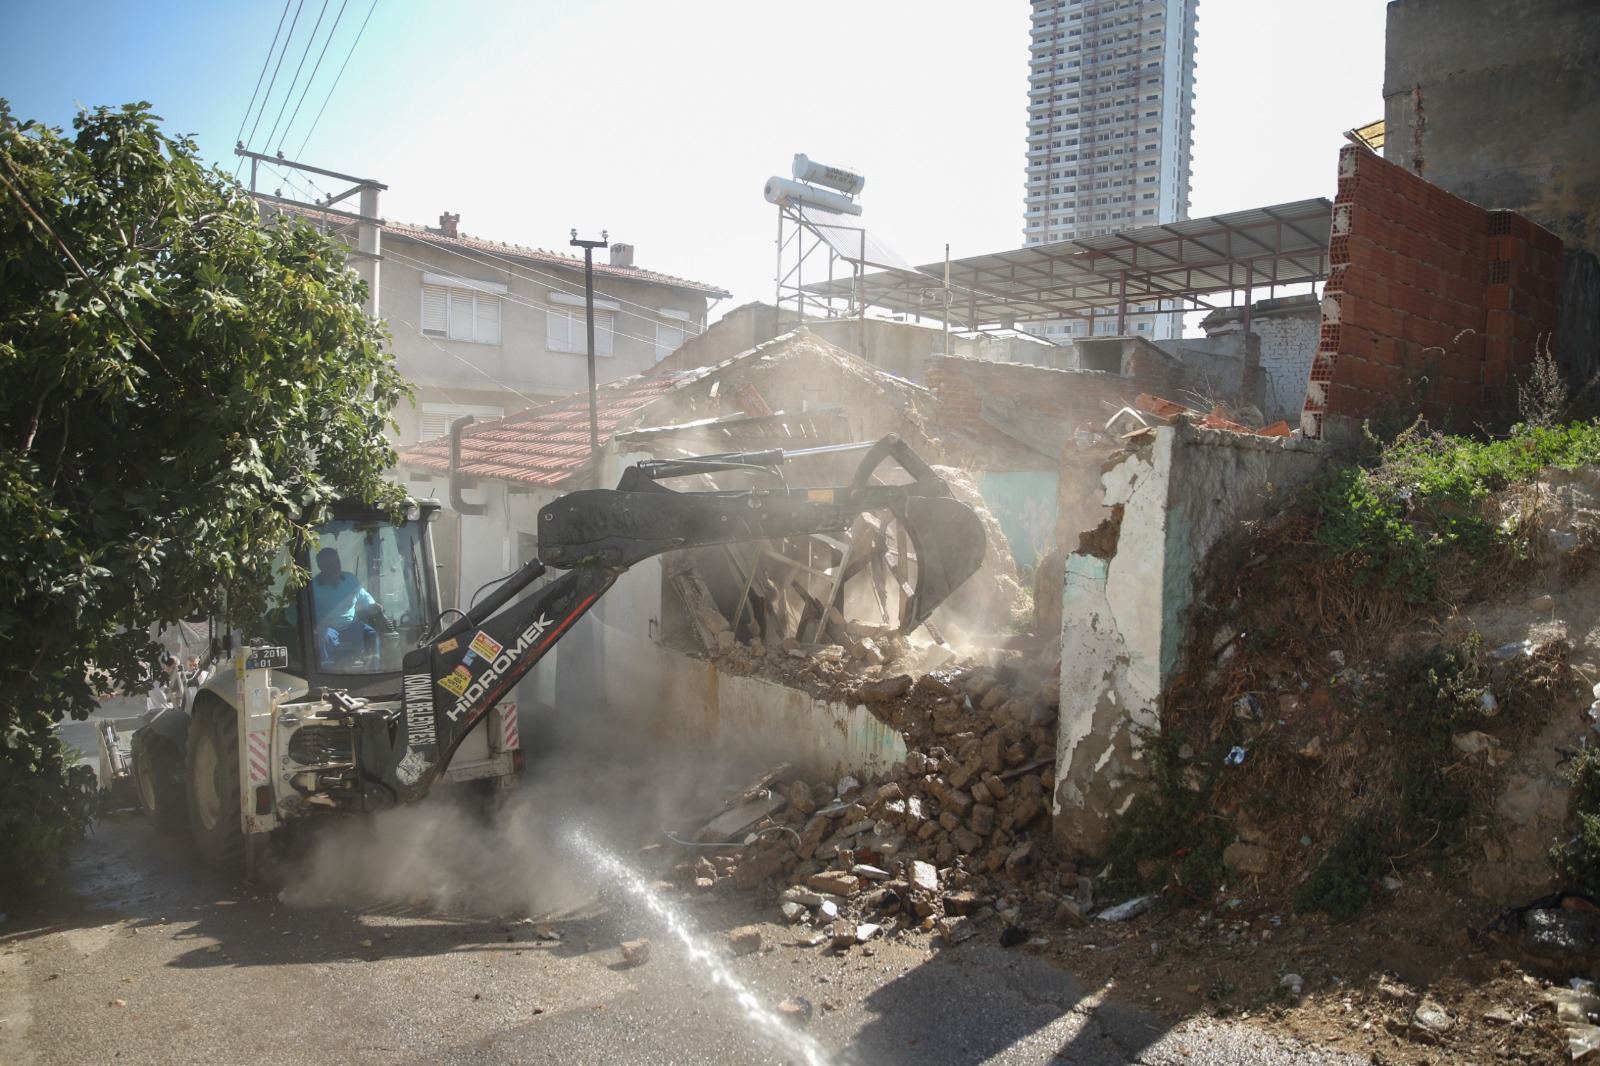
point(588, 303)
point(368, 252)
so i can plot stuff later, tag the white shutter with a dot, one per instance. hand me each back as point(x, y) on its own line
point(438, 417)
point(460, 315)
point(558, 330)
point(487, 316)
point(668, 340)
point(435, 311)
point(604, 328)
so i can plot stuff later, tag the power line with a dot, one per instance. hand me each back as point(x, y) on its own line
point(337, 77)
point(535, 304)
point(288, 93)
point(260, 77)
point(304, 92)
point(534, 274)
point(281, 53)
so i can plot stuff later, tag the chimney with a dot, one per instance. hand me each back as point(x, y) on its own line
point(622, 255)
point(447, 224)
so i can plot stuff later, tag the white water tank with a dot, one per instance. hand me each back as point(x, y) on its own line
point(847, 182)
point(783, 191)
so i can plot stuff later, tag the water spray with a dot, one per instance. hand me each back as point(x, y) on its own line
point(766, 1021)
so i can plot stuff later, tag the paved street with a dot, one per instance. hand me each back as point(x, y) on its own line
point(155, 960)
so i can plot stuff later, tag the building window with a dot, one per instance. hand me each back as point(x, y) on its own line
point(461, 309)
point(673, 328)
point(566, 324)
point(437, 418)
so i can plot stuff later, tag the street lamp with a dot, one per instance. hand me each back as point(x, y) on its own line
point(588, 303)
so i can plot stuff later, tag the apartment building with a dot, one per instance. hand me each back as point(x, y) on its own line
point(1110, 127)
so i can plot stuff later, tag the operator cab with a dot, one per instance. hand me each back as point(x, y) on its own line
point(371, 596)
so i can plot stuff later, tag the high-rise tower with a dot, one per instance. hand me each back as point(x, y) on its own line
point(1110, 125)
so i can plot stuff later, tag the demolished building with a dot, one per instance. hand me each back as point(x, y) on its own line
point(651, 650)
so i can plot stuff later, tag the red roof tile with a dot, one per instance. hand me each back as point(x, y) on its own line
point(539, 255)
point(544, 445)
point(500, 248)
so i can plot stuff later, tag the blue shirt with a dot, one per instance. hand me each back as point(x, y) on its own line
point(337, 603)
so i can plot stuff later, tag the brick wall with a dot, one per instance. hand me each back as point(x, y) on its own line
point(1288, 344)
point(1432, 303)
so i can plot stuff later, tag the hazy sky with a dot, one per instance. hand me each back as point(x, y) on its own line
point(660, 121)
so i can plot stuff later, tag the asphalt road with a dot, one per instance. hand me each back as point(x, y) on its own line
point(153, 959)
point(435, 935)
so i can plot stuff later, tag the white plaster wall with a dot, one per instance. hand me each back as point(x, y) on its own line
point(1123, 617)
point(664, 693)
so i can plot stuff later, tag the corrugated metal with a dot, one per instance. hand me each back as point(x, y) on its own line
point(1278, 245)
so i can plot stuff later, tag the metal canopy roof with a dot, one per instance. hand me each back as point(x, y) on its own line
point(1177, 262)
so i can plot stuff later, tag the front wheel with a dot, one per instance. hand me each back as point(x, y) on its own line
point(158, 775)
point(213, 778)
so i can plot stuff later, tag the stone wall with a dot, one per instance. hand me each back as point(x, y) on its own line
point(1127, 591)
point(1286, 330)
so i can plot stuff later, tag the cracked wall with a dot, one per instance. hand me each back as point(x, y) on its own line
point(1126, 596)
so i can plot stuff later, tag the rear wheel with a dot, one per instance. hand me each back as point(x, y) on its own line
point(158, 776)
point(213, 778)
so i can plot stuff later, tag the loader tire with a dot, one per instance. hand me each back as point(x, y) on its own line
point(213, 780)
point(158, 778)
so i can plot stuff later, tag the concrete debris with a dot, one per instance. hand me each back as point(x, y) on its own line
point(835, 882)
point(635, 952)
point(956, 929)
point(745, 940)
point(1430, 1021)
point(1130, 909)
point(1293, 983)
point(803, 896)
point(866, 931)
point(796, 1009)
point(959, 825)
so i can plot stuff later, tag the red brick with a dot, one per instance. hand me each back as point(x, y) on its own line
point(1356, 340)
point(1344, 400)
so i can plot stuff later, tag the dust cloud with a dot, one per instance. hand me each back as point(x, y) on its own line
point(467, 852)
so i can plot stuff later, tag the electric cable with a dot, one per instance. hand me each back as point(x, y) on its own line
point(337, 77)
point(532, 303)
point(262, 76)
point(309, 81)
point(288, 93)
point(281, 53)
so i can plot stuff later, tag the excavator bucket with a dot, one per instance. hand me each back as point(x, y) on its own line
point(950, 543)
point(941, 542)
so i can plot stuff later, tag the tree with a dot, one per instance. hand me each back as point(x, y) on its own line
point(181, 383)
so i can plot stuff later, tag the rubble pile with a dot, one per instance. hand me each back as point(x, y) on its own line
point(954, 835)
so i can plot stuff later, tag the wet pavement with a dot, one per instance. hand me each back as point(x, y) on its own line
point(154, 959)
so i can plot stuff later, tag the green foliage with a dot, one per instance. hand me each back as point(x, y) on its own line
point(178, 382)
point(1429, 697)
point(1169, 835)
point(1343, 882)
point(1578, 859)
point(46, 803)
point(1426, 495)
